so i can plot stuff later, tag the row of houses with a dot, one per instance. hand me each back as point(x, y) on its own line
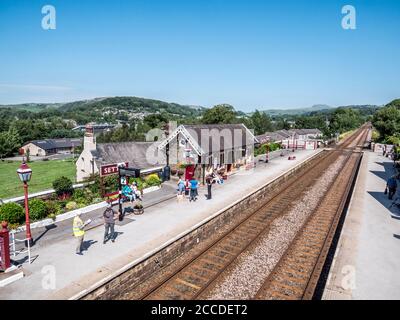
point(293, 138)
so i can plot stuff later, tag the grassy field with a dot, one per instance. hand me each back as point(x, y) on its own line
point(44, 173)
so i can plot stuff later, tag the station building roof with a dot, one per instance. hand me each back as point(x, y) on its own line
point(140, 155)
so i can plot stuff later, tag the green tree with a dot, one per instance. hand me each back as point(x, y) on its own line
point(10, 141)
point(260, 122)
point(345, 119)
point(155, 120)
point(387, 120)
point(220, 114)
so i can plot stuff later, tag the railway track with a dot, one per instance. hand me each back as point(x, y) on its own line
point(191, 280)
point(297, 272)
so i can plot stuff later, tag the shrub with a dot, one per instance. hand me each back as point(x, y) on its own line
point(153, 180)
point(375, 136)
point(97, 200)
point(392, 140)
point(63, 187)
point(12, 213)
point(53, 208)
point(260, 150)
point(62, 203)
point(72, 205)
point(95, 186)
point(37, 209)
point(274, 146)
point(111, 182)
point(83, 197)
point(139, 182)
point(79, 193)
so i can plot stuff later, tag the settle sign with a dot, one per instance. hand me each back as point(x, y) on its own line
point(110, 169)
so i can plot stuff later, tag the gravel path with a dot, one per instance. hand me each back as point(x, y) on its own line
point(252, 267)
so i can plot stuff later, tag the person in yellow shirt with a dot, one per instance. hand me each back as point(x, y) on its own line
point(79, 232)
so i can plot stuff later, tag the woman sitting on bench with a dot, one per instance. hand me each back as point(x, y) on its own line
point(136, 192)
point(128, 193)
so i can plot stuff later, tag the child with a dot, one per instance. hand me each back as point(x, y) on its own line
point(193, 189)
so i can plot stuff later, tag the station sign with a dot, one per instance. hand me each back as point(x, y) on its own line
point(110, 169)
point(130, 172)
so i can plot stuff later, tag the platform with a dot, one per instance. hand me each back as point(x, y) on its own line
point(367, 258)
point(137, 237)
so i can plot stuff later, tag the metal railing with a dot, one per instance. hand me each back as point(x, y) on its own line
point(13, 248)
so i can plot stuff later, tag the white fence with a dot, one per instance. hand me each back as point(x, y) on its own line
point(14, 252)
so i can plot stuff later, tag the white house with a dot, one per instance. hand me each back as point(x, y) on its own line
point(103, 158)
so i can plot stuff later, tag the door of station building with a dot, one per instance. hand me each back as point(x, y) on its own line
point(189, 172)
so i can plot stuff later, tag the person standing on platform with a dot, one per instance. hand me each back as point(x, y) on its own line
point(109, 223)
point(392, 186)
point(209, 182)
point(181, 186)
point(79, 232)
point(193, 189)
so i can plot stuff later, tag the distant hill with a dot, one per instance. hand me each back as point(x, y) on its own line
point(129, 106)
point(319, 108)
point(300, 111)
point(33, 107)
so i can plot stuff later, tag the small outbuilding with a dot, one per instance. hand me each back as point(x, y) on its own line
point(51, 146)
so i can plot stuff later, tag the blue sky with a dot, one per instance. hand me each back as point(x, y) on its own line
point(251, 54)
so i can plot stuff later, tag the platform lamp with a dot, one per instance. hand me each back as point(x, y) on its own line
point(25, 173)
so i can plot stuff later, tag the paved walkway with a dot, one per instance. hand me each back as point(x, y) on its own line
point(367, 260)
point(62, 230)
point(137, 236)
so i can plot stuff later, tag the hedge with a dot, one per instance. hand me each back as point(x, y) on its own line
point(37, 209)
point(12, 213)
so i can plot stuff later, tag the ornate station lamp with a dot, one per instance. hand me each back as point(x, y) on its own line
point(24, 174)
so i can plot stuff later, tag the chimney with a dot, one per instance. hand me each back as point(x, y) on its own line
point(89, 141)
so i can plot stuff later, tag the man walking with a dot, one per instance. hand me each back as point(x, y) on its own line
point(209, 182)
point(79, 232)
point(109, 223)
point(193, 189)
point(392, 186)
